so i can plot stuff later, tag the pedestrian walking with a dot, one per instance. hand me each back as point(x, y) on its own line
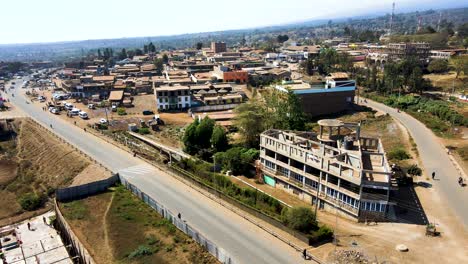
point(433, 175)
point(179, 216)
point(134, 154)
point(84, 129)
point(304, 253)
point(44, 219)
point(75, 123)
point(29, 226)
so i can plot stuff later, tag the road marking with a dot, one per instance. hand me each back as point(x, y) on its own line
point(138, 170)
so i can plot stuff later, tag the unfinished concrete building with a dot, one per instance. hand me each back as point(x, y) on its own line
point(399, 51)
point(338, 168)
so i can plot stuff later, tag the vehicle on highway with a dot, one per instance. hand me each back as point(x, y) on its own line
point(148, 112)
point(83, 115)
point(102, 121)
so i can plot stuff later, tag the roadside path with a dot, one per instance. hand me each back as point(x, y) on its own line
point(435, 159)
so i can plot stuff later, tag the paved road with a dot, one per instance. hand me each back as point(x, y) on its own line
point(435, 159)
point(245, 242)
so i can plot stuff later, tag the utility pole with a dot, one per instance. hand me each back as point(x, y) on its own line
point(391, 18)
point(438, 22)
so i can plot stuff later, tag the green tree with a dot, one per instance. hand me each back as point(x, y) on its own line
point(459, 64)
point(416, 81)
point(300, 218)
point(190, 137)
point(238, 160)
point(123, 54)
point(159, 64)
point(151, 47)
point(463, 30)
point(165, 58)
point(438, 66)
point(250, 121)
point(99, 54)
point(282, 38)
point(138, 52)
point(327, 59)
point(295, 115)
point(199, 45)
point(219, 139)
point(204, 132)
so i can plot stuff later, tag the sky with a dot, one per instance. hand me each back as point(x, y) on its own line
point(32, 21)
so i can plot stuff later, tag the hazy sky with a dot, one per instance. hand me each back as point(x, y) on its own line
point(23, 21)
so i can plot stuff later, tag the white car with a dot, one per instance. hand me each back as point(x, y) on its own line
point(102, 121)
point(91, 106)
point(68, 106)
point(41, 99)
point(74, 112)
point(54, 110)
point(83, 115)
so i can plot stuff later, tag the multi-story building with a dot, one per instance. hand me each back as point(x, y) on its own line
point(332, 95)
point(399, 51)
point(218, 47)
point(335, 169)
point(175, 97)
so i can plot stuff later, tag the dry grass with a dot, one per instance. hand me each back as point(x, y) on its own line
point(128, 225)
point(42, 162)
point(446, 82)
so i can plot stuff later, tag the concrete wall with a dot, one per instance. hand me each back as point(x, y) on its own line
point(85, 190)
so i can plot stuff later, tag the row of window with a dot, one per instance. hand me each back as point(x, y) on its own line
point(173, 93)
point(162, 100)
point(373, 206)
point(166, 107)
point(269, 164)
point(343, 197)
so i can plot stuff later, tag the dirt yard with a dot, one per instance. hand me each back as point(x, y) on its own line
point(129, 231)
point(447, 82)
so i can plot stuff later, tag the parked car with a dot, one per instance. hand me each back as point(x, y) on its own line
point(148, 112)
point(54, 110)
point(103, 121)
point(74, 112)
point(114, 108)
point(68, 106)
point(83, 115)
point(91, 106)
point(41, 98)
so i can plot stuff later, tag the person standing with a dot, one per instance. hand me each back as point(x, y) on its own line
point(29, 226)
point(433, 175)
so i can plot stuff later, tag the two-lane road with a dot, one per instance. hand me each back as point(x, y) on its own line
point(435, 159)
point(245, 242)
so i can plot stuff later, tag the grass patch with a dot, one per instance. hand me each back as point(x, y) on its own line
point(76, 210)
point(138, 234)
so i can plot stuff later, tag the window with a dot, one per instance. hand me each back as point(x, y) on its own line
point(296, 176)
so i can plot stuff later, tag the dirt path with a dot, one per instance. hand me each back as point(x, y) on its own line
point(106, 228)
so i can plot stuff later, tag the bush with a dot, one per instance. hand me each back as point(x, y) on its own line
point(301, 219)
point(324, 233)
point(414, 170)
point(143, 131)
point(398, 154)
point(438, 66)
point(121, 111)
point(30, 201)
point(140, 252)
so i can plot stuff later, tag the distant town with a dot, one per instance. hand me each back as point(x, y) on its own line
point(345, 145)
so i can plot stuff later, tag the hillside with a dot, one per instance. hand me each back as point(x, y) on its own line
point(37, 163)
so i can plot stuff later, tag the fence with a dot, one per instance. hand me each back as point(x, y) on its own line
point(75, 248)
point(85, 190)
point(209, 246)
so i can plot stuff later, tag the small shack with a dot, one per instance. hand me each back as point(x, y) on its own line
point(116, 97)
